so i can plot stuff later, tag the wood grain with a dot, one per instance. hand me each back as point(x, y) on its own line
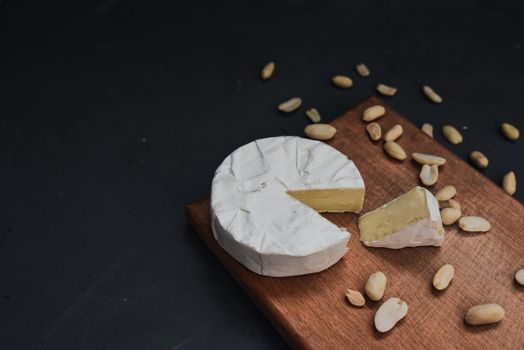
point(310, 311)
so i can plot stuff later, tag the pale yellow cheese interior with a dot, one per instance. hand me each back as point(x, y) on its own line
point(397, 214)
point(331, 200)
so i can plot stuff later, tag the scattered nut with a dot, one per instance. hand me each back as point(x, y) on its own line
point(267, 71)
point(431, 94)
point(451, 203)
point(428, 159)
point(386, 90)
point(454, 204)
point(374, 131)
point(394, 150)
point(355, 297)
point(450, 215)
point(313, 115)
point(429, 174)
point(444, 204)
point(474, 224)
point(376, 285)
point(452, 134)
point(443, 277)
point(389, 313)
point(362, 70)
point(290, 105)
point(519, 277)
point(393, 133)
point(509, 183)
point(428, 129)
point(320, 131)
point(479, 159)
point(373, 112)
point(341, 81)
point(510, 131)
point(447, 192)
point(484, 314)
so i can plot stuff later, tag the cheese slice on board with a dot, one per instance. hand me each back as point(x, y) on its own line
point(265, 202)
point(411, 220)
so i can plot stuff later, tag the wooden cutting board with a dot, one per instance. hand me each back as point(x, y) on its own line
point(311, 311)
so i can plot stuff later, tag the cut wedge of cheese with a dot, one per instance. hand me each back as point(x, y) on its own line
point(411, 220)
point(265, 202)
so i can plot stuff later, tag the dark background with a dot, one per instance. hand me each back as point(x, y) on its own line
point(115, 114)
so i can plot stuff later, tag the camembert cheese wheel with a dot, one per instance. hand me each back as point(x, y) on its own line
point(265, 202)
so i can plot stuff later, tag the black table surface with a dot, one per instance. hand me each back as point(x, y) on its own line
point(114, 115)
